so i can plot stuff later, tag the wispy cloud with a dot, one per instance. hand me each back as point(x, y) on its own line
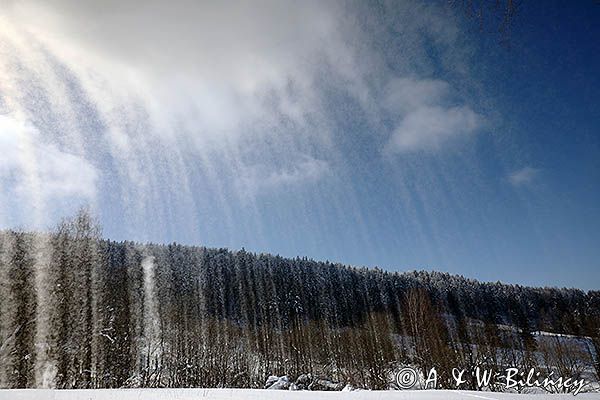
point(219, 67)
point(203, 103)
point(427, 122)
point(40, 171)
point(524, 176)
point(302, 170)
point(230, 80)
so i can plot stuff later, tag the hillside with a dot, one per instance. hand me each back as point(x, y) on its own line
point(77, 311)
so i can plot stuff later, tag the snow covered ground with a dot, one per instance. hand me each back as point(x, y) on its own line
point(255, 394)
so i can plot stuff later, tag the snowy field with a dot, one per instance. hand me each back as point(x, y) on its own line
point(255, 394)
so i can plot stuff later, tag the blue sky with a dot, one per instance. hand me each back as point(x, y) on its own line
point(395, 134)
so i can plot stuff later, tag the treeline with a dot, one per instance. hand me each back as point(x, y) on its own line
point(77, 311)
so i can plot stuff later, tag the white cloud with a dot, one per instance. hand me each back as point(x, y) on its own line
point(409, 94)
point(40, 171)
point(524, 176)
point(430, 128)
point(226, 79)
point(426, 122)
point(182, 98)
point(218, 71)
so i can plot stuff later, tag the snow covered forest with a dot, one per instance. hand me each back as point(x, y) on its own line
point(78, 311)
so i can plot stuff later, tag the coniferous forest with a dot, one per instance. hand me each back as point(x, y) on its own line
point(79, 311)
